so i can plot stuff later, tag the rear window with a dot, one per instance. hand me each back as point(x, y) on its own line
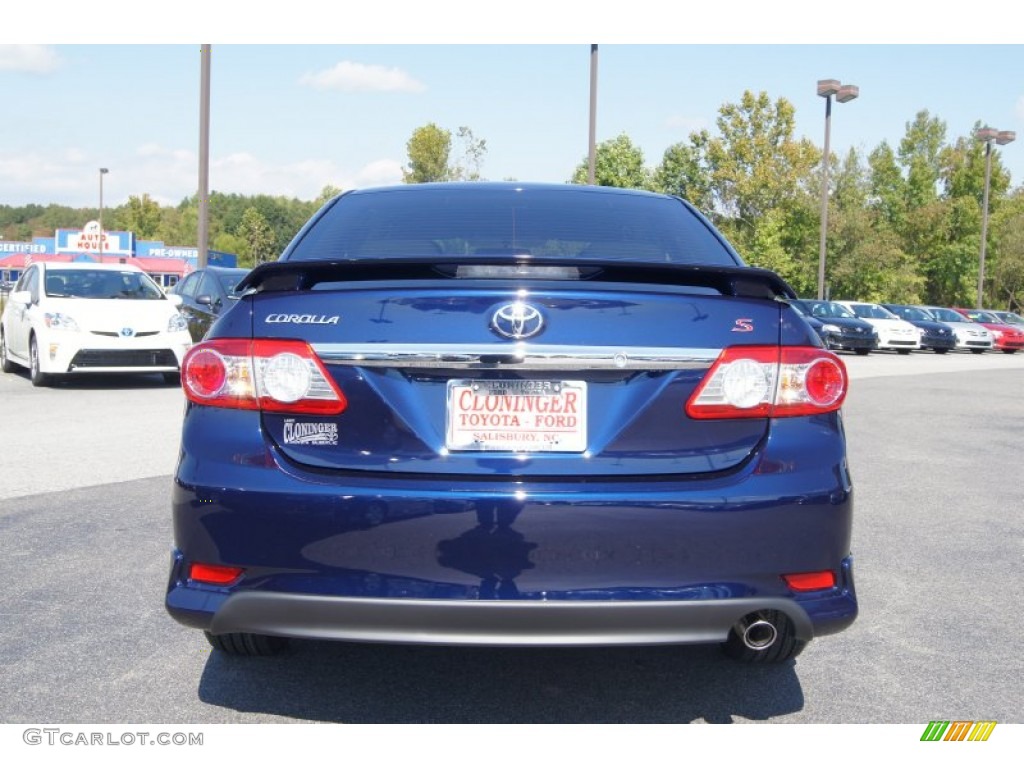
point(461, 222)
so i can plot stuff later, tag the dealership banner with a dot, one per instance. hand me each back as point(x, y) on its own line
point(90, 240)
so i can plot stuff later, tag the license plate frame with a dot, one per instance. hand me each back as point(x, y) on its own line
point(516, 416)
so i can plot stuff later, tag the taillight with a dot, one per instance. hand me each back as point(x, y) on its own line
point(769, 381)
point(279, 376)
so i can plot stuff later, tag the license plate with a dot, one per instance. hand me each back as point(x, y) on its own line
point(517, 416)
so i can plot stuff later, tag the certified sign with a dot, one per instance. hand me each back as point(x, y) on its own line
point(517, 416)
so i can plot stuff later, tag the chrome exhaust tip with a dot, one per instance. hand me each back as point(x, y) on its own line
point(758, 635)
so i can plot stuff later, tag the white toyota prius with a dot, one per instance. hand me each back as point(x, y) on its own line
point(91, 318)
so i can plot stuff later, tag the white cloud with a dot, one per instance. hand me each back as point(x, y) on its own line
point(379, 173)
point(36, 59)
point(167, 175)
point(351, 76)
point(687, 124)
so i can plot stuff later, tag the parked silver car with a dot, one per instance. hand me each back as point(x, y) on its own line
point(969, 334)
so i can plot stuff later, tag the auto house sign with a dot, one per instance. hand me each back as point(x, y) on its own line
point(90, 239)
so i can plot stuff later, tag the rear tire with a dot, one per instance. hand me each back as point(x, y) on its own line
point(862, 351)
point(785, 647)
point(904, 351)
point(247, 644)
point(977, 351)
point(1009, 351)
point(940, 350)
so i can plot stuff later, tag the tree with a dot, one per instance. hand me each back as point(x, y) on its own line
point(618, 162)
point(766, 247)
point(888, 188)
point(919, 154)
point(428, 149)
point(142, 216)
point(329, 192)
point(683, 174)
point(258, 237)
point(1005, 284)
point(757, 164)
point(473, 150)
point(865, 260)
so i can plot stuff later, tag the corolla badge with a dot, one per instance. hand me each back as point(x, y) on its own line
point(303, 319)
point(517, 321)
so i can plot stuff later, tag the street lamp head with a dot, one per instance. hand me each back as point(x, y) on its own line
point(104, 170)
point(1005, 137)
point(986, 134)
point(847, 93)
point(828, 87)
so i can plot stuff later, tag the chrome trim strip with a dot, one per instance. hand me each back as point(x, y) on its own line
point(523, 357)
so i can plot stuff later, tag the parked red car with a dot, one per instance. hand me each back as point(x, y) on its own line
point(1008, 338)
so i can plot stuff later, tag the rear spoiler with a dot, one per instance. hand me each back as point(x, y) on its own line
point(744, 282)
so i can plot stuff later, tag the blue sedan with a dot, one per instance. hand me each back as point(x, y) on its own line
point(512, 414)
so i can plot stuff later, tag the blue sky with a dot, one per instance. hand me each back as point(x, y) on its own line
point(288, 119)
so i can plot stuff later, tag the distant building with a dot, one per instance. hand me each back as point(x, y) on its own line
point(165, 264)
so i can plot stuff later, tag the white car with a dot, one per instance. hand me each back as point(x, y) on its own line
point(893, 333)
point(969, 334)
point(91, 318)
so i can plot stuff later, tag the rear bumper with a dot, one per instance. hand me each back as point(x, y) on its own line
point(510, 623)
point(501, 560)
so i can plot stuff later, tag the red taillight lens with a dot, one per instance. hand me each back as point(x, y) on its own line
point(808, 582)
point(218, 575)
point(769, 381)
point(280, 376)
point(207, 373)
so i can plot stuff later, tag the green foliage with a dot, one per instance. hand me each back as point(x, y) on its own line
point(327, 193)
point(473, 150)
point(919, 155)
point(618, 162)
point(682, 172)
point(767, 247)
point(756, 164)
point(1005, 259)
point(887, 186)
point(865, 261)
point(142, 216)
point(257, 236)
point(428, 149)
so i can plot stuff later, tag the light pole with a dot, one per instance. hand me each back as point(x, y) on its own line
point(843, 94)
point(592, 145)
point(987, 135)
point(203, 233)
point(103, 172)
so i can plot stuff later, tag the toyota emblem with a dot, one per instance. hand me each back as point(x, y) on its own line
point(517, 321)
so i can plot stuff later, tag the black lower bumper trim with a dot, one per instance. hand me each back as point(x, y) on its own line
point(512, 623)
